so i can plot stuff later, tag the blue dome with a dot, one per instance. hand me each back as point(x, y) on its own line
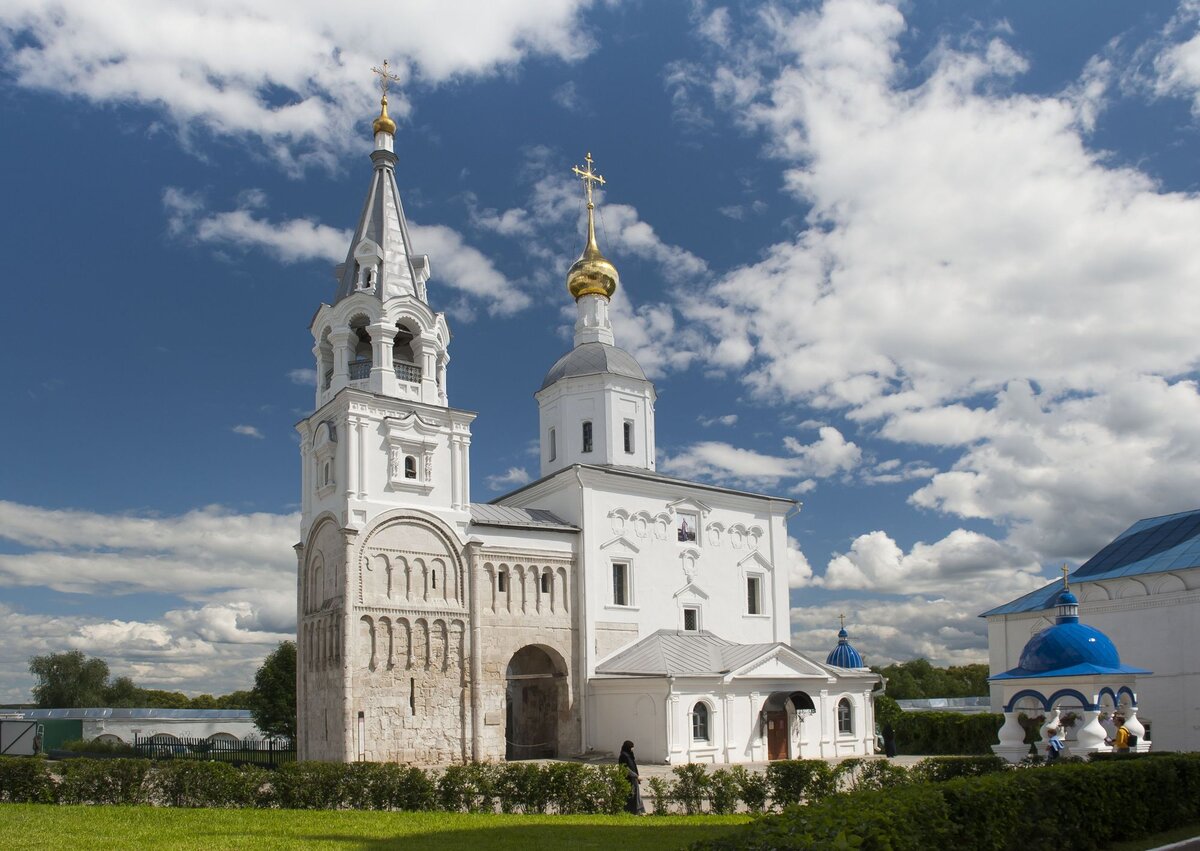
point(1066, 598)
point(1067, 644)
point(844, 656)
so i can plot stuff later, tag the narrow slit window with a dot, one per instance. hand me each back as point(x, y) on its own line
point(410, 467)
point(545, 583)
point(753, 599)
point(629, 436)
point(553, 445)
point(587, 435)
point(620, 584)
point(502, 581)
point(412, 695)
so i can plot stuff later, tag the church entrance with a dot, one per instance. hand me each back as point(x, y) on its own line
point(535, 693)
point(777, 713)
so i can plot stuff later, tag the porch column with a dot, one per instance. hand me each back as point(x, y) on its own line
point(1011, 745)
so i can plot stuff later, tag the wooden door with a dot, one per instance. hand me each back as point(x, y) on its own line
point(777, 735)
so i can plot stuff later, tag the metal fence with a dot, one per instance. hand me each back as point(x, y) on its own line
point(268, 753)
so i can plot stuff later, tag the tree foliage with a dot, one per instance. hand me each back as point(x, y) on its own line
point(919, 679)
point(273, 698)
point(71, 680)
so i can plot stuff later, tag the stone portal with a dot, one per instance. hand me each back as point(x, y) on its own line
point(535, 694)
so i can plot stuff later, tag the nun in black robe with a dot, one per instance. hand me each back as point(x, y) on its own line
point(626, 760)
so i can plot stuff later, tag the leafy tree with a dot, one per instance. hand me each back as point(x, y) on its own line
point(273, 698)
point(919, 679)
point(69, 680)
point(235, 700)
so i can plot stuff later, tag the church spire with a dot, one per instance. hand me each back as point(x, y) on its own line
point(592, 279)
point(381, 262)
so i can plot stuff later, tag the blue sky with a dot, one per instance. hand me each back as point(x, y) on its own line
point(930, 268)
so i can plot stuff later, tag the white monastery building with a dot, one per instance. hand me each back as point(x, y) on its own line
point(602, 602)
point(1142, 591)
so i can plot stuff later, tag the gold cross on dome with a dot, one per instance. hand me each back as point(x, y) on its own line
point(1066, 584)
point(589, 177)
point(842, 618)
point(385, 77)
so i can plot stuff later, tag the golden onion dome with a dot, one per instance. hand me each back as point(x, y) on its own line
point(384, 123)
point(592, 273)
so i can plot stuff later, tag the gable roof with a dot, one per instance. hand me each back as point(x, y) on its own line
point(1153, 545)
point(672, 653)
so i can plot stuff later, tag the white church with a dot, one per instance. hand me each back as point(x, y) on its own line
point(601, 602)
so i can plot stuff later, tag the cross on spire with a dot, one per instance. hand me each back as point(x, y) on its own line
point(842, 618)
point(385, 78)
point(589, 178)
point(1066, 584)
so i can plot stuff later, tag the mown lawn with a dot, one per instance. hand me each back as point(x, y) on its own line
point(106, 827)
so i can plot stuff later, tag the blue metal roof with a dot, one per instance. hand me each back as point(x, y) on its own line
point(137, 714)
point(844, 656)
point(1153, 545)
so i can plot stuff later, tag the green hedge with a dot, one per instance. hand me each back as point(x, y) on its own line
point(946, 733)
point(1074, 806)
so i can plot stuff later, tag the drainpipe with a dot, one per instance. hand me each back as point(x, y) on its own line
point(581, 596)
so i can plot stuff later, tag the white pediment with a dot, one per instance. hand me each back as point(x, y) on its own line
point(756, 557)
point(620, 544)
point(782, 662)
point(691, 590)
point(688, 502)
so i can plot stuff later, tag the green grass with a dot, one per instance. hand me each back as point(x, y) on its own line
point(44, 826)
point(1168, 837)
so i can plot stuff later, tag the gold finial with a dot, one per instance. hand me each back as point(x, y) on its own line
point(384, 123)
point(842, 618)
point(592, 273)
point(1066, 583)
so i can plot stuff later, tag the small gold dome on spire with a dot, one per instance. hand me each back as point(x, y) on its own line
point(384, 123)
point(592, 273)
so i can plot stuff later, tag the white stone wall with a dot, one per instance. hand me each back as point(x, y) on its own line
point(606, 401)
point(1154, 621)
point(123, 728)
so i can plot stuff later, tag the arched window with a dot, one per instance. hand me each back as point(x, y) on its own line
point(410, 467)
point(700, 722)
point(325, 479)
point(845, 717)
point(553, 446)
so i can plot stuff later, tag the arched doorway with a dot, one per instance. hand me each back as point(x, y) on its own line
point(777, 712)
point(535, 694)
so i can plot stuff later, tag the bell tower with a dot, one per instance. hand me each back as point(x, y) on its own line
point(384, 458)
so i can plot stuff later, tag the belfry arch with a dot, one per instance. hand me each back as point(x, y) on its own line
point(536, 697)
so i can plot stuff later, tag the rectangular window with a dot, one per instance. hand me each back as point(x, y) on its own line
point(587, 436)
point(553, 446)
point(620, 584)
point(691, 620)
point(753, 600)
point(629, 436)
point(545, 583)
point(502, 581)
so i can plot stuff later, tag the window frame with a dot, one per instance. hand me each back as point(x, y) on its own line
point(701, 718)
point(845, 726)
point(624, 569)
point(627, 432)
point(754, 594)
point(691, 610)
point(587, 437)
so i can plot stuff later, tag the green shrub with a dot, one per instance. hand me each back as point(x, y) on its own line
point(939, 769)
point(795, 780)
point(946, 733)
point(723, 791)
point(691, 787)
point(753, 788)
point(103, 781)
point(310, 785)
point(98, 746)
point(523, 787)
point(455, 789)
point(608, 789)
point(25, 780)
point(576, 788)
point(200, 783)
point(880, 774)
point(660, 795)
point(1075, 807)
point(912, 818)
